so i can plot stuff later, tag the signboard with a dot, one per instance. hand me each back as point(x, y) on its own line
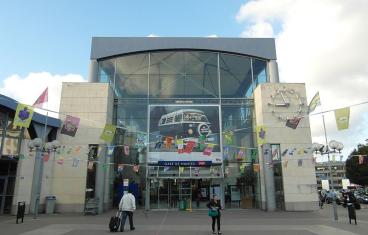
point(184, 133)
point(345, 183)
point(325, 185)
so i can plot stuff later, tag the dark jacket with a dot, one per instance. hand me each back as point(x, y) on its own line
point(214, 205)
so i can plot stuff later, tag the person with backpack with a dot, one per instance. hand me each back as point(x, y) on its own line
point(214, 207)
point(127, 207)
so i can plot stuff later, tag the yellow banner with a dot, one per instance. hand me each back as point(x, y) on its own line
point(261, 135)
point(23, 115)
point(108, 133)
point(342, 118)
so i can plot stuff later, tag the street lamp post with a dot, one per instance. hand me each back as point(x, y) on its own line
point(332, 147)
point(39, 147)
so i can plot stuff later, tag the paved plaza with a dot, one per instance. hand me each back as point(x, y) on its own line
point(234, 222)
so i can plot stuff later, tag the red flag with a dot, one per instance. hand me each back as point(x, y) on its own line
point(43, 98)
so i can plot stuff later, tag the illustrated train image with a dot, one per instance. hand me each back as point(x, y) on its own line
point(185, 122)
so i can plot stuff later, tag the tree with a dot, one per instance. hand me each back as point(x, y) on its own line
point(358, 173)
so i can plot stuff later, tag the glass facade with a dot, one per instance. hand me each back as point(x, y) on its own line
point(180, 80)
point(10, 138)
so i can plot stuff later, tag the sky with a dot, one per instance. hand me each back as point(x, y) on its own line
point(319, 43)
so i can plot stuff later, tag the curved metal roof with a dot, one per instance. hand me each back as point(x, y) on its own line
point(104, 47)
point(39, 118)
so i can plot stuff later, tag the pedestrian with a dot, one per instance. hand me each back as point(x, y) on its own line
point(214, 207)
point(350, 201)
point(127, 207)
point(322, 198)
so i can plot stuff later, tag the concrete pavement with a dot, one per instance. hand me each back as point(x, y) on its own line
point(197, 222)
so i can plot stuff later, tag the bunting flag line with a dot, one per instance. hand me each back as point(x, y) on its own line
point(77, 150)
point(256, 167)
point(226, 152)
point(46, 157)
point(43, 98)
point(60, 161)
point(342, 118)
point(110, 150)
point(261, 135)
point(108, 133)
point(136, 168)
point(70, 126)
point(293, 123)
point(23, 115)
point(240, 155)
point(229, 137)
point(126, 150)
point(90, 165)
point(120, 168)
point(316, 101)
point(75, 162)
point(254, 153)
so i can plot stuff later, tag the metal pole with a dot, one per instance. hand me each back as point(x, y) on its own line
point(38, 170)
point(330, 169)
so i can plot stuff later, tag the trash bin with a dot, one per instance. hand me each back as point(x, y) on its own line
point(182, 205)
point(50, 204)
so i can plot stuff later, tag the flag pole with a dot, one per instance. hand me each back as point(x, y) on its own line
point(38, 195)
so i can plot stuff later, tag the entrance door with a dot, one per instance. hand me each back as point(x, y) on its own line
point(7, 184)
point(168, 194)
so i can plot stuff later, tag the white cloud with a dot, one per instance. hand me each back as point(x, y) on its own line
point(322, 44)
point(259, 30)
point(27, 89)
point(152, 35)
point(212, 36)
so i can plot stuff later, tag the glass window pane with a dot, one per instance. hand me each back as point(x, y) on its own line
point(106, 70)
point(259, 72)
point(236, 77)
point(183, 74)
point(132, 75)
point(10, 146)
point(12, 131)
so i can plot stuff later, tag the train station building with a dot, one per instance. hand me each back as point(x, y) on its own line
point(190, 118)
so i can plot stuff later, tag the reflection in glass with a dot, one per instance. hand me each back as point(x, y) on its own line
point(131, 76)
point(10, 146)
point(106, 70)
point(190, 74)
point(259, 72)
point(236, 77)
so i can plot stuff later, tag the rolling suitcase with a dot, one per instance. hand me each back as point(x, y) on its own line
point(115, 222)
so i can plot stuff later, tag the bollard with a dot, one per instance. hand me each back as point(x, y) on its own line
point(20, 211)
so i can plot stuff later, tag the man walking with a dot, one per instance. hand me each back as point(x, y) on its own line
point(127, 206)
